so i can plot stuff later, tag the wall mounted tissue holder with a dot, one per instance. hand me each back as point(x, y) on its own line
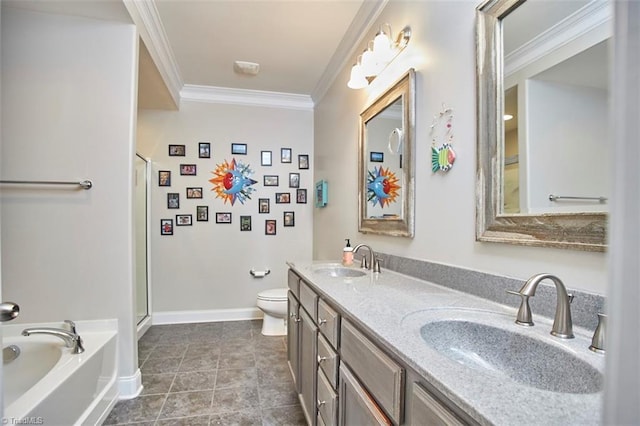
point(260, 274)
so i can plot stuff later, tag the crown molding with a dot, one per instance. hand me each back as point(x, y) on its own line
point(147, 20)
point(352, 39)
point(589, 18)
point(224, 95)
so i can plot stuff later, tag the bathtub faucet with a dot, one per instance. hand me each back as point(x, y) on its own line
point(71, 338)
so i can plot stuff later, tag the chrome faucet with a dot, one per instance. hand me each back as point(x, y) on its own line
point(562, 324)
point(373, 263)
point(71, 338)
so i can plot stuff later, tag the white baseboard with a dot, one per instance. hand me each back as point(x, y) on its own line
point(130, 387)
point(214, 315)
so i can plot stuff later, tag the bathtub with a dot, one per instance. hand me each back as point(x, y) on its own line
point(48, 385)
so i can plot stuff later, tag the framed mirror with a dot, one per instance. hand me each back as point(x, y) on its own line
point(542, 104)
point(386, 163)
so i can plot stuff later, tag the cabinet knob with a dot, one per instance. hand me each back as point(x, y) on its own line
point(321, 321)
point(321, 403)
point(321, 358)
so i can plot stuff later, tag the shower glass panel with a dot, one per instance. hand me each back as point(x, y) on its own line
point(141, 198)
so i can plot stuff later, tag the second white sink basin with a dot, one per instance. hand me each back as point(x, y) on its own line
point(512, 355)
point(339, 272)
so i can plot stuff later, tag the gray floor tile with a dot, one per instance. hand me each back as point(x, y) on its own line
point(231, 378)
point(164, 350)
point(194, 380)
point(283, 416)
point(156, 383)
point(161, 365)
point(235, 399)
point(276, 373)
point(238, 418)
point(185, 421)
point(204, 362)
point(277, 395)
point(186, 404)
point(140, 409)
point(237, 360)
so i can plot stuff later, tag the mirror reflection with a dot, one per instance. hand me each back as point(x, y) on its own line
point(556, 89)
point(386, 161)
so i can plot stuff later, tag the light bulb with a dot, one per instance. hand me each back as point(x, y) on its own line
point(382, 48)
point(357, 79)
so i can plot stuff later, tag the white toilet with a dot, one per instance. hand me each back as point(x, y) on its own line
point(273, 303)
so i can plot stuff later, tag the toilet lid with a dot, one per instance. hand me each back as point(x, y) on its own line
point(274, 294)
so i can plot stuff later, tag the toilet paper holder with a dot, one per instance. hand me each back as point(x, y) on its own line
point(260, 274)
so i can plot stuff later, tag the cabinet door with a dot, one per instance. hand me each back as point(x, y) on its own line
point(293, 339)
point(427, 410)
point(356, 407)
point(308, 366)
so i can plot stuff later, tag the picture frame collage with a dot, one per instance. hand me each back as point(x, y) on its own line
point(291, 192)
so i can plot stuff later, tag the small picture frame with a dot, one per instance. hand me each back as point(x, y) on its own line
point(204, 150)
point(177, 150)
point(164, 178)
point(321, 193)
point(239, 148)
point(184, 220)
point(289, 219)
point(376, 157)
point(245, 223)
point(266, 158)
point(223, 217)
point(270, 180)
point(173, 200)
point(285, 155)
point(301, 196)
point(303, 161)
point(202, 213)
point(270, 227)
point(188, 169)
point(283, 198)
point(294, 180)
point(194, 192)
point(264, 205)
point(166, 226)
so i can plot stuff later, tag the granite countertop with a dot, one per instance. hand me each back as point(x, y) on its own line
point(394, 307)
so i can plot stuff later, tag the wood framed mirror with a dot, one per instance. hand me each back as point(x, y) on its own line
point(386, 162)
point(573, 218)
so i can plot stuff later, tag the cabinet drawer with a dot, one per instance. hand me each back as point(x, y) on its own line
point(328, 322)
point(327, 401)
point(309, 300)
point(293, 281)
point(328, 360)
point(383, 377)
point(427, 410)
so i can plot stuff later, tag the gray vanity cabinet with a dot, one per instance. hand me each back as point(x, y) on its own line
point(426, 409)
point(293, 336)
point(308, 364)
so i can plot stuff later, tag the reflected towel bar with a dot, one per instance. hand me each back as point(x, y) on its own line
point(601, 200)
point(84, 184)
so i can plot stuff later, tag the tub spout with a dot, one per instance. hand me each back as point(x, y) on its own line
point(71, 340)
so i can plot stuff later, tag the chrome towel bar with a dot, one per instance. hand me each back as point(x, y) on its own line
point(84, 184)
point(601, 200)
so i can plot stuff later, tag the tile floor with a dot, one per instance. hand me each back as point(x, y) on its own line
point(223, 373)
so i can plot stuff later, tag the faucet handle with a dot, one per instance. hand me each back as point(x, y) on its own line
point(363, 263)
point(72, 326)
point(524, 316)
point(598, 340)
point(376, 264)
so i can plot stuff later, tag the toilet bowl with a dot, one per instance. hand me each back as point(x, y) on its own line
point(273, 303)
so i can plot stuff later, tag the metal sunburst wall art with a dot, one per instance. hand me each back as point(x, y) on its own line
point(382, 186)
point(442, 156)
point(232, 181)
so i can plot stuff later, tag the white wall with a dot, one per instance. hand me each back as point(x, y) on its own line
point(68, 109)
point(442, 50)
point(203, 270)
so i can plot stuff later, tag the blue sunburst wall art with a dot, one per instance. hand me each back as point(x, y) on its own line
point(382, 186)
point(232, 181)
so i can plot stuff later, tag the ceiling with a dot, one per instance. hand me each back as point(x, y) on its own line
point(300, 45)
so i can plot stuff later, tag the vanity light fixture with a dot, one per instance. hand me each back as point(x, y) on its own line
point(379, 53)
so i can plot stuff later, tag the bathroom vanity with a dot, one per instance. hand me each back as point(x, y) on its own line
point(365, 348)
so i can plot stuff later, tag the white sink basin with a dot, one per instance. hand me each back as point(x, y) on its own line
point(339, 272)
point(512, 355)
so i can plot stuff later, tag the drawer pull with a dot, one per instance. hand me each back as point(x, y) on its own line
point(321, 321)
point(321, 403)
point(321, 358)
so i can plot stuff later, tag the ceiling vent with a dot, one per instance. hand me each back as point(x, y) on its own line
point(246, 68)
